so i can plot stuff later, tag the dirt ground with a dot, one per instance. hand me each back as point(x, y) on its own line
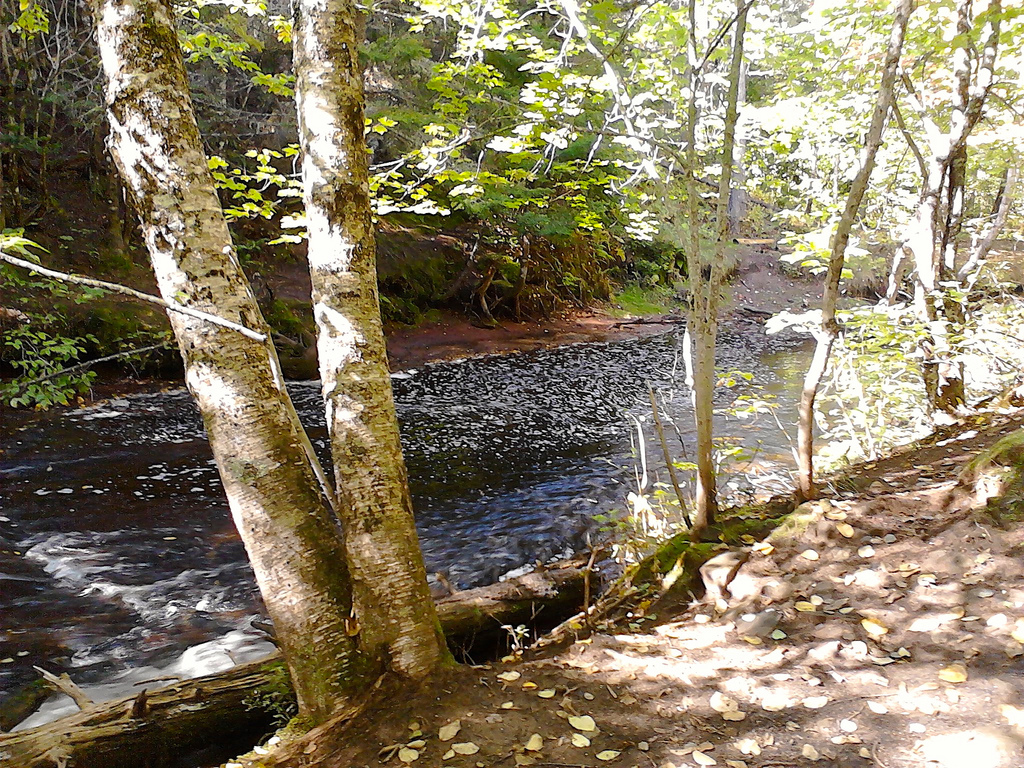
point(887, 631)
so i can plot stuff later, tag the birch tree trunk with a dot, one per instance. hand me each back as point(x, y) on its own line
point(697, 330)
point(706, 278)
point(829, 330)
point(924, 237)
point(260, 448)
point(394, 614)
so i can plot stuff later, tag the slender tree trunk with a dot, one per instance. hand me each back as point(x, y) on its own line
point(392, 609)
point(925, 239)
point(829, 330)
point(979, 253)
point(705, 496)
point(260, 448)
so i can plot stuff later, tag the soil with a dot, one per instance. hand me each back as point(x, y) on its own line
point(886, 630)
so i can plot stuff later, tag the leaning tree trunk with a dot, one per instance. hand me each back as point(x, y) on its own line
point(392, 609)
point(259, 446)
point(826, 335)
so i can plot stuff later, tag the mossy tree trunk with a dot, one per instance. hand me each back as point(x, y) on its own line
point(261, 450)
point(392, 610)
point(827, 333)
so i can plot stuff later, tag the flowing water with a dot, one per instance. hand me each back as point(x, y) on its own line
point(119, 560)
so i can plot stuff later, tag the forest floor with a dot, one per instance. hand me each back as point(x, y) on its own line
point(887, 632)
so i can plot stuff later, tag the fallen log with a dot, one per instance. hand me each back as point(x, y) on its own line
point(160, 726)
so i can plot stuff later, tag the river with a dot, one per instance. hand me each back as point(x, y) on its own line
point(119, 561)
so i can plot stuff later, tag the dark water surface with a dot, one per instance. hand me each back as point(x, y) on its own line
point(117, 550)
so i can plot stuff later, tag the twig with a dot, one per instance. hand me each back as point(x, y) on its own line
point(65, 685)
point(668, 456)
point(124, 290)
point(89, 363)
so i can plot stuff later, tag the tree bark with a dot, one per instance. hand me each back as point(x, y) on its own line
point(979, 253)
point(829, 330)
point(261, 450)
point(705, 501)
point(391, 607)
point(212, 709)
point(924, 237)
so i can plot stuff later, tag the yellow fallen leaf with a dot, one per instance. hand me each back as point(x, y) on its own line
point(547, 693)
point(874, 627)
point(508, 705)
point(417, 744)
point(450, 731)
point(579, 740)
point(509, 677)
point(702, 759)
point(954, 673)
point(748, 747)
point(448, 755)
point(846, 530)
point(535, 743)
point(608, 754)
point(583, 723)
point(722, 703)
point(734, 715)
point(804, 606)
point(809, 554)
point(1018, 631)
point(465, 748)
point(752, 640)
point(407, 755)
point(529, 686)
point(810, 752)
point(1014, 716)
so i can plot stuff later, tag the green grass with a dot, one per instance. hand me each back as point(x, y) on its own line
point(635, 299)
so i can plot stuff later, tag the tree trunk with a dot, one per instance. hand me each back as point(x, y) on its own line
point(261, 450)
point(979, 253)
point(391, 606)
point(829, 330)
point(697, 331)
point(942, 377)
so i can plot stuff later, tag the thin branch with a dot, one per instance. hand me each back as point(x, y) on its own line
point(124, 290)
point(901, 124)
point(21, 385)
point(717, 39)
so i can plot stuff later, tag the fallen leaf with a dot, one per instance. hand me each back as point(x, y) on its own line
point(847, 725)
point(528, 686)
point(643, 746)
point(583, 723)
point(804, 606)
point(748, 747)
point(417, 744)
point(448, 755)
point(722, 703)
point(701, 759)
point(778, 634)
point(509, 677)
point(874, 627)
point(579, 740)
point(736, 764)
point(535, 743)
point(547, 693)
point(1013, 715)
point(734, 715)
point(878, 708)
point(866, 551)
point(846, 530)
point(408, 755)
point(450, 731)
point(809, 554)
point(1018, 631)
point(815, 702)
point(465, 748)
point(954, 673)
point(810, 752)
point(608, 754)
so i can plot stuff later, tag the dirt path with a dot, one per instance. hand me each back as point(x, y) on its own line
point(887, 632)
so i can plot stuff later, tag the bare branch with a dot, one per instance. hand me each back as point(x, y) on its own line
point(126, 291)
